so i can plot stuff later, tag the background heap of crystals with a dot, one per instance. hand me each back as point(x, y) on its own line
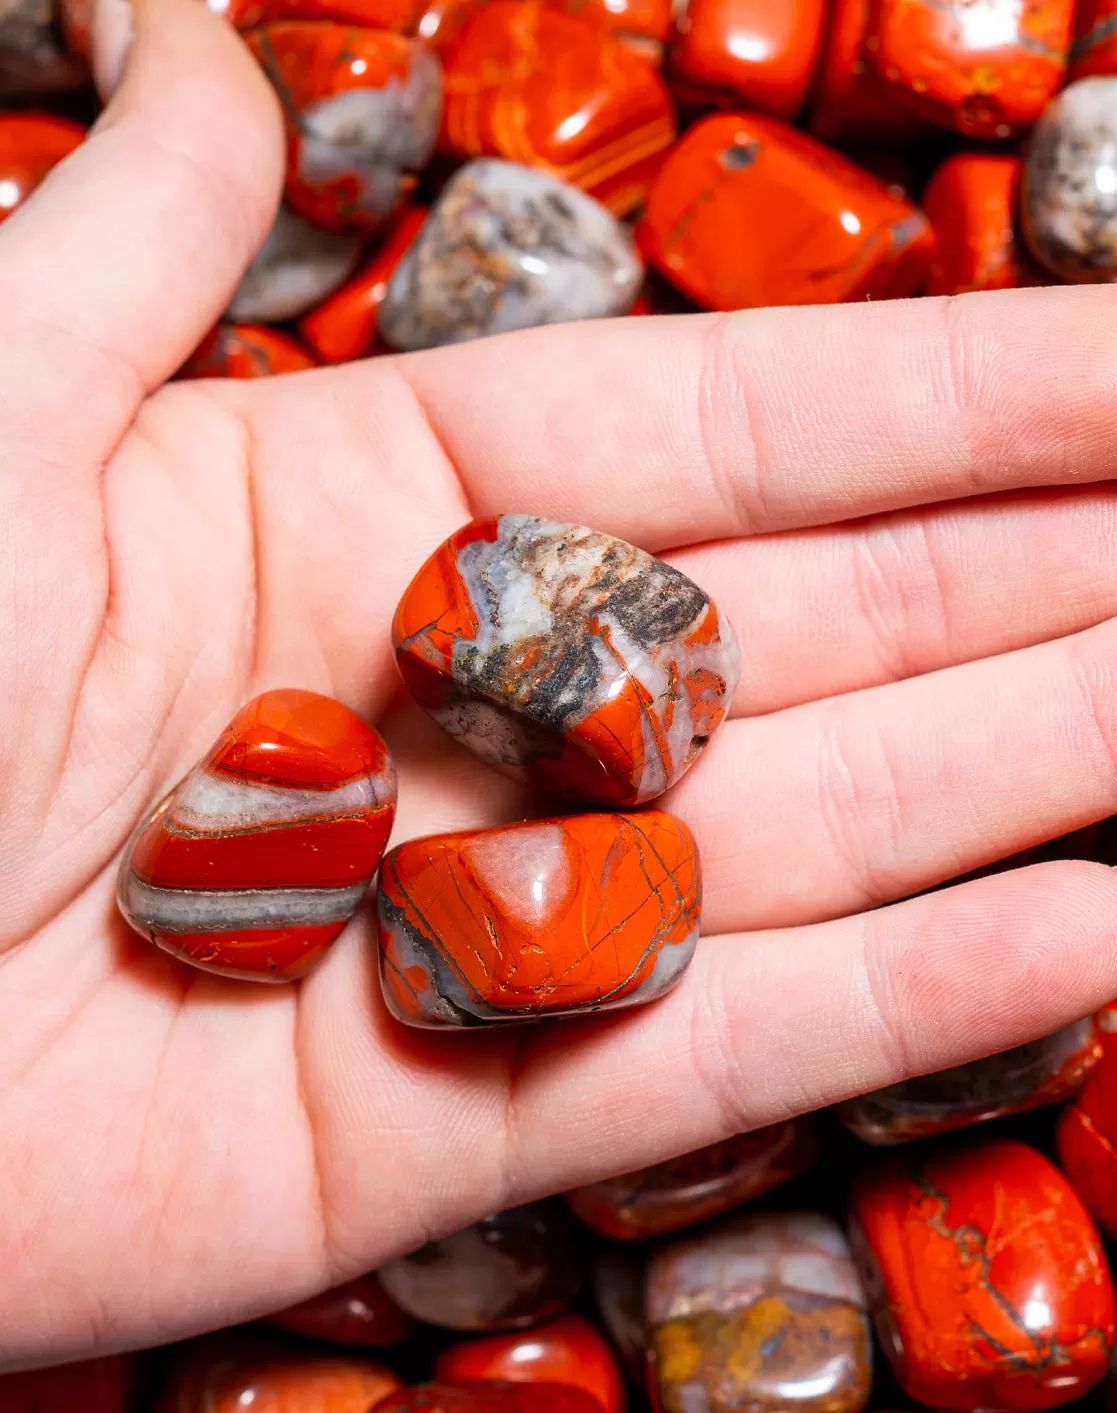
point(727, 154)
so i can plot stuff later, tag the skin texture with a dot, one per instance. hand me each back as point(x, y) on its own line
point(923, 691)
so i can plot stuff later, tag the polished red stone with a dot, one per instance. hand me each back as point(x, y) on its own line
point(536, 86)
point(254, 863)
point(749, 212)
point(361, 1312)
point(989, 1282)
point(245, 351)
point(344, 325)
point(93, 1386)
point(1094, 49)
point(229, 1373)
point(362, 108)
point(1087, 1132)
point(490, 1397)
point(697, 1185)
point(567, 1351)
point(642, 24)
point(986, 68)
point(752, 53)
point(30, 145)
point(548, 917)
point(851, 103)
point(972, 202)
point(653, 664)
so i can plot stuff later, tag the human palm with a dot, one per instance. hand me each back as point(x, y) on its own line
point(924, 690)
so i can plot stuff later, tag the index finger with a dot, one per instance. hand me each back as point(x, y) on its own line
point(671, 431)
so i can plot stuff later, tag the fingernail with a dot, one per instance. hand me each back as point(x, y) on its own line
point(111, 36)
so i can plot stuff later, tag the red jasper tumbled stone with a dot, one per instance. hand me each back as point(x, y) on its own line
point(93, 1386)
point(231, 1372)
point(545, 918)
point(360, 1312)
point(1087, 1132)
point(850, 102)
point(245, 351)
point(748, 212)
point(255, 862)
point(490, 1397)
point(972, 202)
point(986, 68)
point(988, 1280)
point(566, 1351)
point(30, 145)
point(749, 52)
point(344, 325)
point(539, 87)
point(566, 657)
point(362, 109)
point(697, 1185)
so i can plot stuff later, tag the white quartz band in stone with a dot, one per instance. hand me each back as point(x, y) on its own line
point(211, 802)
point(192, 910)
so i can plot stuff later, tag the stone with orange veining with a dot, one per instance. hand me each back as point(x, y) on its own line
point(544, 918)
point(566, 657)
point(989, 1284)
point(1087, 1133)
point(539, 87)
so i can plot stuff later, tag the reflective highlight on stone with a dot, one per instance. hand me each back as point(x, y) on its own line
point(508, 248)
point(1087, 1132)
point(546, 918)
point(567, 1351)
point(245, 351)
point(1069, 195)
point(297, 267)
point(1041, 1072)
point(254, 863)
point(748, 212)
point(988, 1282)
point(360, 1312)
point(363, 108)
point(566, 658)
point(766, 1312)
point(502, 1273)
point(697, 1185)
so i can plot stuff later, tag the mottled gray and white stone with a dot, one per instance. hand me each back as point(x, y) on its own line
point(507, 247)
point(1069, 188)
point(297, 267)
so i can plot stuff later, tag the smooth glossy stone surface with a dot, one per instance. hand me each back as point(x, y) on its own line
point(508, 248)
point(643, 24)
point(617, 1276)
point(363, 108)
point(549, 917)
point(697, 1185)
point(1041, 1072)
point(1069, 193)
point(33, 62)
point(502, 1273)
point(1094, 48)
point(753, 53)
point(229, 1373)
point(245, 351)
point(988, 1282)
point(255, 862)
point(296, 268)
point(490, 1397)
point(535, 86)
point(30, 145)
point(985, 68)
point(346, 325)
point(764, 1313)
point(1087, 1132)
point(567, 1351)
point(972, 203)
point(851, 103)
point(748, 212)
point(93, 1386)
point(360, 1312)
point(566, 657)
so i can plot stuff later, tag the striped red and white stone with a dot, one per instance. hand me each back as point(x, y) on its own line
point(255, 862)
